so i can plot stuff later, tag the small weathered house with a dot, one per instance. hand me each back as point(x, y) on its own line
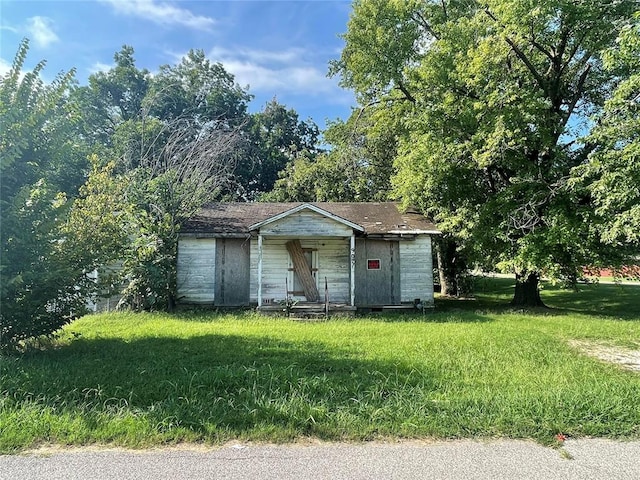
point(348, 255)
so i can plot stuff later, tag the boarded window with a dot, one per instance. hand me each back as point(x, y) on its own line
point(373, 264)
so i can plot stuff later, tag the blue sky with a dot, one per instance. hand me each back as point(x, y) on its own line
point(279, 48)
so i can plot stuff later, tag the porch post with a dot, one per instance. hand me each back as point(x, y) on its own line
point(259, 269)
point(352, 256)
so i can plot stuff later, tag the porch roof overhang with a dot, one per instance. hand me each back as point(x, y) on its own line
point(307, 206)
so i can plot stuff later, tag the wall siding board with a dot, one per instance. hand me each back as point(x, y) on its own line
point(253, 271)
point(196, 270)
point(306, 223)
point(416, 270)
point(333, 263)
point(412, 273)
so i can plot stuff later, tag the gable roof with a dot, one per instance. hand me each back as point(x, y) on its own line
point(306, 206)
point(374, 218)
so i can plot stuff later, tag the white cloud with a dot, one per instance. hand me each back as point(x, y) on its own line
point(162, 13)
point(40, 30)
point(275, 71)
point(260, 56)
point(4, 67)
point(9, 28)
point(100, 67)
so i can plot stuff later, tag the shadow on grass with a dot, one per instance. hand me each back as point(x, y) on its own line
point(609, 300)
point(216, 386)
point(493, 294)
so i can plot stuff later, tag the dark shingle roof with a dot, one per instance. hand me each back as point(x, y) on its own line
point(374, 217)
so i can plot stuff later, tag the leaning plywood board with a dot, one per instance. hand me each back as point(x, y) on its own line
point(303, 270)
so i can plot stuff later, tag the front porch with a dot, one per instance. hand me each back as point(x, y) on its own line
point(308, 310)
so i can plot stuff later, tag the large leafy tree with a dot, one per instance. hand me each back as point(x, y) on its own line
point(199, 90)
point(168, 186)
point(356, 167)
point(612, 173)
point(496, 90)
point(276, 138)
point(174, 140)
point(112, 97)
point(44, 281)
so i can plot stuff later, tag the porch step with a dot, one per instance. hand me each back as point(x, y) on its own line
point(309, 310)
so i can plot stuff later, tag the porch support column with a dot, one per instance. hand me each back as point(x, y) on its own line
point(259, 269)
point(352, 273)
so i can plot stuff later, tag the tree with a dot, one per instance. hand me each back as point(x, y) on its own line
point(165, 189)
point(276, 139)
point(495, 90)
point(112, 97)
point(198, 90)
point(612, 172)
point(43, 284)
point(356, 167)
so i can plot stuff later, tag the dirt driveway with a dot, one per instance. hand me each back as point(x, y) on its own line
point(625, 357)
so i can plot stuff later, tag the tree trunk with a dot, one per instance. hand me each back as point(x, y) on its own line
point(527, 293)
point(448, 284)
point(451, 268)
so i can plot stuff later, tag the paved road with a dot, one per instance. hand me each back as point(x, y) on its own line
point(501, 459)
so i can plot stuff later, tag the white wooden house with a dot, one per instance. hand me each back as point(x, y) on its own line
point(347, 255)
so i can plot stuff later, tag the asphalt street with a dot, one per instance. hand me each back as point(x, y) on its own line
point(466, 459)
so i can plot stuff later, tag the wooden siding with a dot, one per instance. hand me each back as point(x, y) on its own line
point(416, 270)
point(381, 286)
point(306, 223)
point(232, 272)
point(333, 263)
point(253, 271)
point(196, 270)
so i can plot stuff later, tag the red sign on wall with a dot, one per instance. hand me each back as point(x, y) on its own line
point(373, 264)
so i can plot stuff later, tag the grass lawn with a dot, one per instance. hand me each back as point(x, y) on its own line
point(471, 369)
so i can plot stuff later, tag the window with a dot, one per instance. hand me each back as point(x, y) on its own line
point(373, 264)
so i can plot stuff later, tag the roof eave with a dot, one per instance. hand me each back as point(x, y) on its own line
point(415, 232)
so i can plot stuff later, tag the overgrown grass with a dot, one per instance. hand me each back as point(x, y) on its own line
point(472, 368)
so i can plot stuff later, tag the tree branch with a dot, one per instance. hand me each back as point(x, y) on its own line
point(406, 93)
point(578, 93)
point(520, 54)
point(417, 17)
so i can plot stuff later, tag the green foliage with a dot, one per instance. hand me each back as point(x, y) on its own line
point(149, 262)
point(39, 127)
point(612, 173)
point(42, 283)
point(198, 90)
point(95, 234)
point(112, 97)
point(38, 293)
point(357, 167)
point(490, 96)
point(276, 139)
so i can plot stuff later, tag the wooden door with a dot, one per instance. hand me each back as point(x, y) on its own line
point(377, 272)
point(232, 272)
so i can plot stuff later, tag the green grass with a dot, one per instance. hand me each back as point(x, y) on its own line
point(471, 369)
